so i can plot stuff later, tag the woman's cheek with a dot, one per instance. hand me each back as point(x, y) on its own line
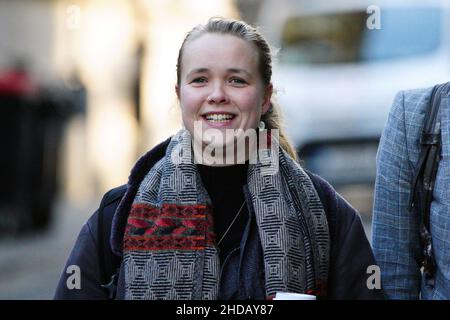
point(251, 100)
point(191, 102)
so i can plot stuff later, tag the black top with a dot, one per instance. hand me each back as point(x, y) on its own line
point(225, 188)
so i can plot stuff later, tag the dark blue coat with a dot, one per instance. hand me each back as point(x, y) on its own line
point(242, 272)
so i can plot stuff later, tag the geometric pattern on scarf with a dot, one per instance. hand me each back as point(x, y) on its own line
point(171, 227)
point(293, 229)
point(169, 248)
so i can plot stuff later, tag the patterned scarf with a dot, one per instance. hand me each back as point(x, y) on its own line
point(169, 248)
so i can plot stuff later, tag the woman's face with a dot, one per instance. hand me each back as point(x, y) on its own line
point(220, 85)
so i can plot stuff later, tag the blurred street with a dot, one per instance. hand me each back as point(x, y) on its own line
point(31, 265)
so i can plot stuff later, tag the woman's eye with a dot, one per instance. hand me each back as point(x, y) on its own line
point(238, 81)
point(199, 80)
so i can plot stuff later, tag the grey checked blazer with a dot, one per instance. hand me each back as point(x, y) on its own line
point(395, 229)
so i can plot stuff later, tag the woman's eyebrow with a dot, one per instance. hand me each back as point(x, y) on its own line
point(230, 70)
point(198, 70)
point(236, 70)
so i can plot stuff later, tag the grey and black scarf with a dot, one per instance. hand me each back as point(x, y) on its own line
point(169, 245)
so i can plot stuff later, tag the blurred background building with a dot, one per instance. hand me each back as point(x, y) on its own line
point(87, 86)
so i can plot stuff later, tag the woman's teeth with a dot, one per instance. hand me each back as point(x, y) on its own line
point(219, 117)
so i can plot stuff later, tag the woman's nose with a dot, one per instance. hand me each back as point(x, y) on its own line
point(218, 95)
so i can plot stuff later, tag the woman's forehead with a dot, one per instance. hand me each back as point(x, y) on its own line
point(212, 49)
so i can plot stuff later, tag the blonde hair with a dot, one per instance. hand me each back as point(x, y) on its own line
point(273, 117)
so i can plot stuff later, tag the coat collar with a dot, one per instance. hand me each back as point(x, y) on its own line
point(140, 169)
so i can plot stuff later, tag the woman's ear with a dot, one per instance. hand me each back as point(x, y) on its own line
point(267, 99)
point(177, 91)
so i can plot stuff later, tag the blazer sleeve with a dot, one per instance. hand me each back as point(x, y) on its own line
point(395, 236)
point(84, 257)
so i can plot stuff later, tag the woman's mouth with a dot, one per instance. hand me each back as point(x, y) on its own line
point(218, 119)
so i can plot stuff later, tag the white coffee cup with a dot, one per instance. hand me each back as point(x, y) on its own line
point(293, 296)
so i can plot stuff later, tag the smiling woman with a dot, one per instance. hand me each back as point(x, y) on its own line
point(219, 84)
point(241, 58)
point(183, 230)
